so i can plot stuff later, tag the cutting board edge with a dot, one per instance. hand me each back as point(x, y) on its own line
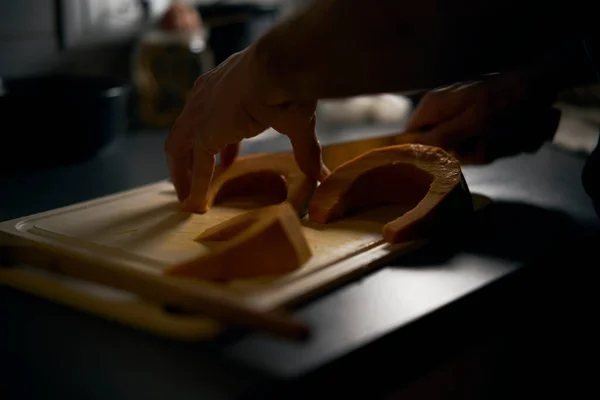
point(11, 225)
point(138, 315)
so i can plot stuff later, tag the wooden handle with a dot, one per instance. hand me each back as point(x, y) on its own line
point(161, 289)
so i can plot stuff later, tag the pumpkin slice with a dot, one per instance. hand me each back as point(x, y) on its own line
point(264, 242)
point(416, 138)
point(425, 178)
point(265, 179)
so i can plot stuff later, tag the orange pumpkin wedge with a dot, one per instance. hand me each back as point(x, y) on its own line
point(264, 242)
point(425, 178)
point(265, 179)
point(417, 138)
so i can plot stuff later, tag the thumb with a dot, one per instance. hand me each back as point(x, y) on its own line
point(307, 151)
point(425, 115)
point(203, 167)
point(298, 123)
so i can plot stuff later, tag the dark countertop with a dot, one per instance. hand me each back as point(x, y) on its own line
point(413, 310)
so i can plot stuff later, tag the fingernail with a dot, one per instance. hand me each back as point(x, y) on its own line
point(324, 172)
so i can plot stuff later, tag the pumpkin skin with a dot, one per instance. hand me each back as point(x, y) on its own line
point(263, 178)
point(424, 177)
point(264, 242)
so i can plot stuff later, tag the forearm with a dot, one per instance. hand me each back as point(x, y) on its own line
point(566, 67)
point(339, 48)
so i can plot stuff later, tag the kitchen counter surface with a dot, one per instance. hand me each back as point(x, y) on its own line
point(410, 313)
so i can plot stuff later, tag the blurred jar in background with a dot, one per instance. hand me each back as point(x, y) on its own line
point(167, 61)
point(289, 7)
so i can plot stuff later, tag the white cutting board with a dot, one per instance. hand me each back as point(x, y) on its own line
point(143, 229)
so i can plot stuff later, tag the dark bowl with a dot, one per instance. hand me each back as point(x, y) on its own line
point(53, 120)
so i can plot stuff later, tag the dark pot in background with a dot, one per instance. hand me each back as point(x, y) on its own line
point(53, 120)
point(235, 26)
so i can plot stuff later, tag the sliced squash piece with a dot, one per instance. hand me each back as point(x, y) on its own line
point(417, 138)
point(264, 179)
point(426, 178)
point(264, 242)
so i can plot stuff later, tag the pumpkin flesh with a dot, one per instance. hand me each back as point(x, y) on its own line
point(264, 242)
point(423, 177)
point(260, 180)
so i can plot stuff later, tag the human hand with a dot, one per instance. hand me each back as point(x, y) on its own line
point(481, 121)
point(236, 100)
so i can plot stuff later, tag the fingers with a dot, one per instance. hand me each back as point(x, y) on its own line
point(298, 123)
point(429, 111)
point(179, 160)
point(424, 115)
point(529, 131)
point(179, 170)
point(307, 151)
point(202, 172)
point(229, 154)
point(526, 131)
point(455, 131)
point(445, 103)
